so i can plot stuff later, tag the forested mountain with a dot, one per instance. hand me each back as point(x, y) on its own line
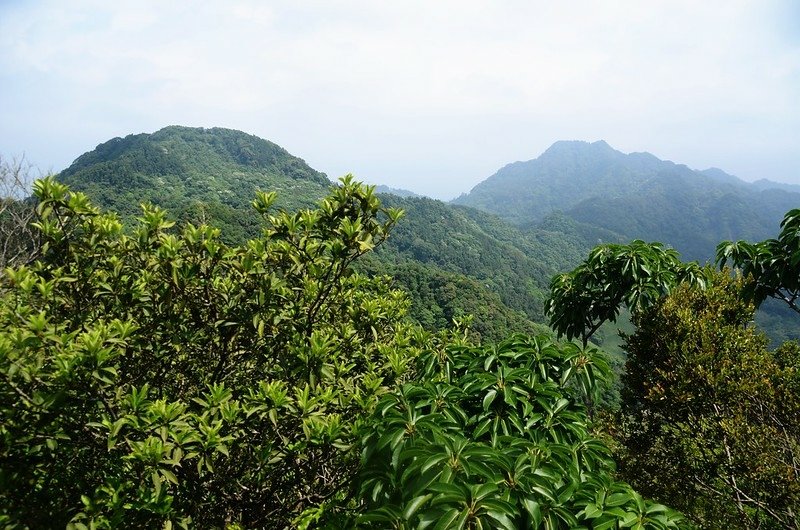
point(463, 240)
point(195, 174)
point(564, 175)
point(634, 196)
point(688, 212)
point(765, 184)
point(452, 261)
point(433, 249)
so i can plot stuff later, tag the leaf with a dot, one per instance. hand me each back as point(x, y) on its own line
point(414, 505)
point(534, 510)
point(169, 475)
point(448, 520)
point(618, 499)
point(503, 519)
point(488, 399)
point(605, 525)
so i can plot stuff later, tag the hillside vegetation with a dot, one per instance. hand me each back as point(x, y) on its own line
point(162, 378)
point(195, 174)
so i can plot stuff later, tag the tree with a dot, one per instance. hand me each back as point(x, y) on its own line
point(497, 437)
point(18, 238)
point(159, 377)
point(636, 275)
point(711, 417)
point(773, 264)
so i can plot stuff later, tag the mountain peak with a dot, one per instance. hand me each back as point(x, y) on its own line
point(179, 167)
point(569, 172)
point(575, 146)
point(571, 151)
point(719, 175)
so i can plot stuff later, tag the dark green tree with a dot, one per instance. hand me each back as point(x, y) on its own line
point(497, 437)
point(710, 416)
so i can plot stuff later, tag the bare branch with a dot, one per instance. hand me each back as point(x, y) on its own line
point(19, 240)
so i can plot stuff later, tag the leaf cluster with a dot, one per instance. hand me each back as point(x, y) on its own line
point(773, 265)
point(710, 416)
point(635, 275)
point(497, 437)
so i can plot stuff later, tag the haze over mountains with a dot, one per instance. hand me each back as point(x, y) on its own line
point(491, 252)
point(634, 196)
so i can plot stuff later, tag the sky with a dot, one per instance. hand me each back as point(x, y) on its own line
point(431, 96)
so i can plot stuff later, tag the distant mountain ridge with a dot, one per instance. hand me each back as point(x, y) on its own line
point(400, 192)
point(567, 173)
point(634, 196)
point(758, 185)
point(764, 184)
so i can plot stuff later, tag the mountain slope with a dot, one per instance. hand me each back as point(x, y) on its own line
point(380, 188)
point(506, 261)
point(194, 173)
point(688, 213)
point(563, 176)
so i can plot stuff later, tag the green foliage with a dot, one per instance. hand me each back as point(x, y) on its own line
point(463, 241)
point(636, 275)
point(210, 175)
point(497, 437)
point(438, 298)
point(162, 378)
point(711, 417)
point(772, 265)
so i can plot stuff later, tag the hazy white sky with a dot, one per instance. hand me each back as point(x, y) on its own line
point(433, 96)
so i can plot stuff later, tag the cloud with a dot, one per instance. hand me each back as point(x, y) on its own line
point(428, 95)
